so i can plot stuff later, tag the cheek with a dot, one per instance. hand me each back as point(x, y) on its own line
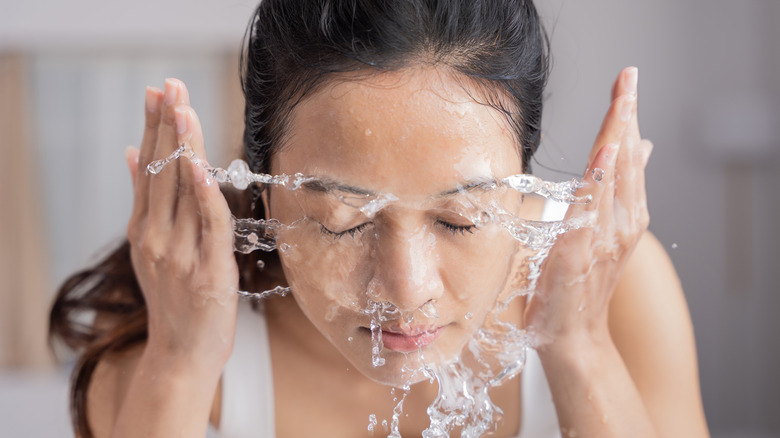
point(322, 272)
point(476, 273)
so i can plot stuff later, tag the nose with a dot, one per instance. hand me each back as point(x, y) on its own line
point(408, 271)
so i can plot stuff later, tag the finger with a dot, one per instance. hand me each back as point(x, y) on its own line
point(597, 181)
point(187, 224)
point(629, 164)
point(627, 159)
point(164, 186)
point(625, 82)
point(153, 104)
point(645, 149)
point(614, 124)
point(131, 158)
point(624, 90)
point(216, 223)
point(578, 244)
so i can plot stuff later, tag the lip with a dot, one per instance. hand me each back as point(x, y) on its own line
point(405, 341)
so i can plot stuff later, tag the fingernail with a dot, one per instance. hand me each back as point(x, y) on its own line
point(127, 154)
point(171, 92)
point(648, 152)
point(626, 107)
point(151, 100)
point(632, 80)
point(181, 120)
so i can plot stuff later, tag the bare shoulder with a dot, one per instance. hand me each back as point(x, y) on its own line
point(651, 327)
point(109, 385)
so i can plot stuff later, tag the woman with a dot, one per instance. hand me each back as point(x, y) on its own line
point(428, 103)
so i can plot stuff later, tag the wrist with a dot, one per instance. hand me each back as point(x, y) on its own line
point(590, 346)
point(183, 363)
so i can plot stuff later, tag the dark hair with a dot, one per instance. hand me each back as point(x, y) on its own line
point(291, 48)
point(296, 46)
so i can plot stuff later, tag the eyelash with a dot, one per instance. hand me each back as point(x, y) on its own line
point(351, 231)
point(454, 229)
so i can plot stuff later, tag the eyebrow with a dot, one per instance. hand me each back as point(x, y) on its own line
point(327, 185)
point(470, 186)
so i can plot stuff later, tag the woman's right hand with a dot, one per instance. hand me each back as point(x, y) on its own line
point(181, 239)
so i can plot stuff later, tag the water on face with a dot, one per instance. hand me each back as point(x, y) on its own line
point(496, 351)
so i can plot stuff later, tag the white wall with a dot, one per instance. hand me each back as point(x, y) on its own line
point(133, 24)
point(693, 56)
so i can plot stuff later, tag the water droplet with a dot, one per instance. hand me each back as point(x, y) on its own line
point(598, 174)
point(429, 309)
point(260, 265)
point(674, 246)
point(469, 316)
point(368, 132)
point(332, 313)
point(350, 339)
point(239, 174)
point(155, 167)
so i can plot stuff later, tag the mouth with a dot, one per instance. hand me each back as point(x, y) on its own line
point(408, 340)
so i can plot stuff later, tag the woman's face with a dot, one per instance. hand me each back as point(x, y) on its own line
point(412, 263)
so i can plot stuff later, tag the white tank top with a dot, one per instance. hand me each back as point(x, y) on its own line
point(247, 409)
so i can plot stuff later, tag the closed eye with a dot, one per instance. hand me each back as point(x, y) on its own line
point(339, 234)
point(455, 229)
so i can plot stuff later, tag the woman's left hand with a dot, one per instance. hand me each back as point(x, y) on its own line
point(580, 274)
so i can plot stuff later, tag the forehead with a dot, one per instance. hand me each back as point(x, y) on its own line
point(405, 132)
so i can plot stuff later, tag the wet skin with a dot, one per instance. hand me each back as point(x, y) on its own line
point(418, 135)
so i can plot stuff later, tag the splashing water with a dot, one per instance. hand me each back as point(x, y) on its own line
point(372, 422)
point(240, 176)
point(376, 344)
point(380, 312)
point(278, 290)
point(558, 191)
point(255, 234)
point(397, 410)
point(494, 354)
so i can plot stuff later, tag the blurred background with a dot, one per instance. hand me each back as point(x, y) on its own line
point(72, 76)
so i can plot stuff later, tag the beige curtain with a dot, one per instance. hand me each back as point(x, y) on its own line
point(24, 279)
